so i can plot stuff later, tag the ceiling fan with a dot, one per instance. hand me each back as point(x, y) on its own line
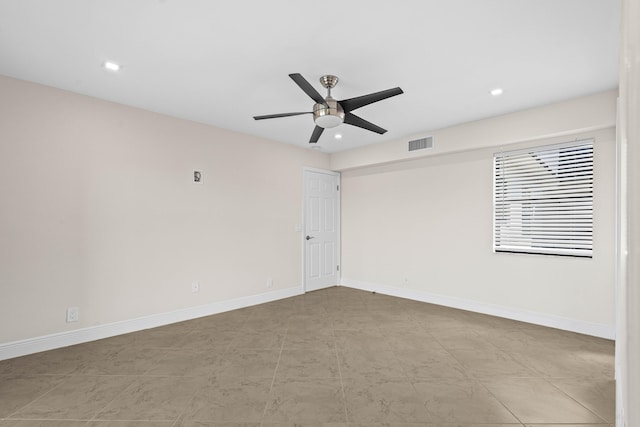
point(329, 112)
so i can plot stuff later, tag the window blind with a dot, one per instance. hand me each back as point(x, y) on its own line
point(543, 200)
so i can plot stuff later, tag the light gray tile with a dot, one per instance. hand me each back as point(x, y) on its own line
point(564, 340)
point(259, 340)
point(429, 364)
point(535, 400)
point(42, 423)
point(434, 425)
point(440, 318)
point(249, 363)
point(367, 363)
point(461, 401)
point(595, 394)
point(229, 400)
point(487, 362)
point(350, 320)
point(311, 323)
point(215, 424)
point(308, 364)
point(461, 339)
point(563, 364)
point(310, 341)
point(309, 424)
point(377, 400)
point(61, 361)
point(304, 401)
point(511, 341)
point(265, 322)
point(212, 341)
point(357, 340)
point(152, 399)
point(16, 392)
point(230, 321)
point(568, 425)
point(174, 362)
point(116, 360)
point(78, 397)
point(130, 424)
point(411, 338)
point(169, 336)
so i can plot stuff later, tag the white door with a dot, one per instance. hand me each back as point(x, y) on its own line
point(321, 229)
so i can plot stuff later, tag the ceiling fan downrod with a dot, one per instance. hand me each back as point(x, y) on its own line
point(329, 82)
point(330, 114)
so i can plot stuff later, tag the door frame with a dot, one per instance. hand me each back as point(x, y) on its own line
point(304, 217)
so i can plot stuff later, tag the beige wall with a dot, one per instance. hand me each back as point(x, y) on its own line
point(425, 225)
point(99, 211)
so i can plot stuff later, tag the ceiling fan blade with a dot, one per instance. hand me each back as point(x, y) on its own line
point(275, 116)
point(315, 136)
point(353, 120)
point(360, 101)
point(307, 88)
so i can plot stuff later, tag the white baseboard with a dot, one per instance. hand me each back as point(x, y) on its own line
point(79, 336)
point(536, 318)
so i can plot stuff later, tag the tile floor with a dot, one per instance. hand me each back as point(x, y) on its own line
point(336, 358)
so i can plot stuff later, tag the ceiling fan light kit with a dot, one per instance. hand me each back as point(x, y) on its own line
point(329, 112)
point(329, 115)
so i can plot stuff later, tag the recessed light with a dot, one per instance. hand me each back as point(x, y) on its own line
point(316, 147)
point(496, 92)
point(111, 66)
point(338, 136)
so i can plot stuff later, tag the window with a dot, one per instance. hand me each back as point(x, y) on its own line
point(543, 200)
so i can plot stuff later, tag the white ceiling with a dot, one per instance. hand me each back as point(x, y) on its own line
point(222, 62)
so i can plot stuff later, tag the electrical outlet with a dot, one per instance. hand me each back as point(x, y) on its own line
point(73, 314)
point(269, 282)
point(195, 287)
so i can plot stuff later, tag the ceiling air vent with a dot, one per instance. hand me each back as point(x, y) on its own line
point(421, 144)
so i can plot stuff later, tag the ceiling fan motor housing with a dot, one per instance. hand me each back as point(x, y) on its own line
point(328, 116)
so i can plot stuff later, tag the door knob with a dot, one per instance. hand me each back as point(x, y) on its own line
point(309, 237)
